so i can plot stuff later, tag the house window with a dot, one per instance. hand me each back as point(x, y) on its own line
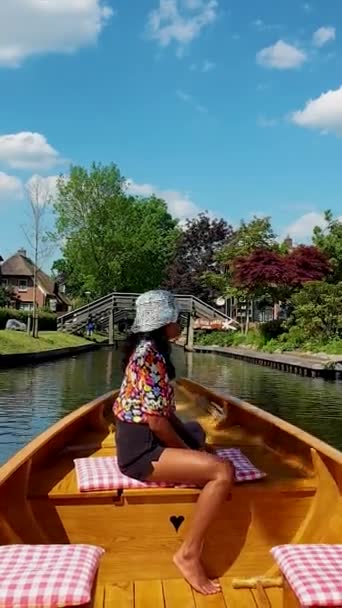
point(22, 284)
point(26, 306)
point(4, 282)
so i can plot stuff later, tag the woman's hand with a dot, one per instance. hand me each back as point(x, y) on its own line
point(163, 429)
point(209, 449)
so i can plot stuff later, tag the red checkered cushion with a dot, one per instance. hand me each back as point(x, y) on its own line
point(314, 572)
point(244, 469)
point(103, 473)
point(40, 576)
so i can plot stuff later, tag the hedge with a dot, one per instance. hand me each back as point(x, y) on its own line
point(272, 329)
point(47, 321)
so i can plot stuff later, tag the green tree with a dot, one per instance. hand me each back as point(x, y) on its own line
point(249, 237)
point(317, 312)
point(329, 240)
point(110, 240)
point(7, 297)
point(256, 234)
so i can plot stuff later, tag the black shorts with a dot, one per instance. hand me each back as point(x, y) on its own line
point(138, 447)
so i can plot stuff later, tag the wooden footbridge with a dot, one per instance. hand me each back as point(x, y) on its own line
point(114, 308)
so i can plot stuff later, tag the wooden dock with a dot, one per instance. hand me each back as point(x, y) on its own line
point(303, 365)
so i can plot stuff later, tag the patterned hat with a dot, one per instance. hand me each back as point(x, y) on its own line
point(154, 309)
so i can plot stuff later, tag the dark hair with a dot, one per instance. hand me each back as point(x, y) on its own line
point(159, 340)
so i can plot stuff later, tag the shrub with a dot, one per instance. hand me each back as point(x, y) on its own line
point(224, 338)
point(272, 329)
point(47, 320)
point(214, 338)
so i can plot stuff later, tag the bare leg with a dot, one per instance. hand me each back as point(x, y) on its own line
point(216, 477)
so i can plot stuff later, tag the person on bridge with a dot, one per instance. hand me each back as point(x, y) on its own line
point(152, 443)
point(90, 327)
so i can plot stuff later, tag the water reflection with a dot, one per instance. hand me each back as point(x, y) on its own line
point(32, 398)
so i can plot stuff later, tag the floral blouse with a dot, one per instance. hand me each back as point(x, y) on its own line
point(146, 388)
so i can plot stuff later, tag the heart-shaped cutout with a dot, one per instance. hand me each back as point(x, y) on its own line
point(176, 521)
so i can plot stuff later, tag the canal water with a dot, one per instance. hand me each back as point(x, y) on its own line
point(32, 398)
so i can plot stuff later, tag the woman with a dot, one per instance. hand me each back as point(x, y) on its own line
point(152, 443)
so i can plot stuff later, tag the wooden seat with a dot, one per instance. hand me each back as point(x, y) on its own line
point(57, 480)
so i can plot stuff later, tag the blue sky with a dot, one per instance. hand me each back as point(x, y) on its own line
point(220, 105)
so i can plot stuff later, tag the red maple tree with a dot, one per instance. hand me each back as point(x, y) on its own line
point(306, 263)
point(266, 270)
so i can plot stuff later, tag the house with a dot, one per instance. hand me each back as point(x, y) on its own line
point(17, 273)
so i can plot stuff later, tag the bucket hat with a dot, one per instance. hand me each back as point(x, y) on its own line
point(154, 309)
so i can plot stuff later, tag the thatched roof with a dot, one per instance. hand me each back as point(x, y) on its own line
point(19, 265)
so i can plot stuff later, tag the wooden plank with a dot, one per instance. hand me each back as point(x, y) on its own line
point(98, 601)
point(261, 599)
point(237, 598)
point(177, 593)
point(275, 597)
point(119, 595)
point(48, 443)
point(148, 594)
point(209, 601)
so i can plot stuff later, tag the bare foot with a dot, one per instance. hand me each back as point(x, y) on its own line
point(193, 572)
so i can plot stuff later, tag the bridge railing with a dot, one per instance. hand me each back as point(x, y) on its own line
point(115, 302)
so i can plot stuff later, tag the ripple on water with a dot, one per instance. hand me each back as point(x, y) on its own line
point(32, 398)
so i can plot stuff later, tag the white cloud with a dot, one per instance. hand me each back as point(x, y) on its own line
point(302, 228)
point(323, 35)
point(11, 187)
point(205, 66)
point(180, 205)
point(189, 99)
point(34, 27)
point(184, 96)
point(27, 150)
point(260, 25)
point(208, 66)
point(323, 113)
point(281, 56)
point(42, 189)
point(180, 21)
point(266, 123)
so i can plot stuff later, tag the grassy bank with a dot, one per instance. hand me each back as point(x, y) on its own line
point(255, 340)
point(12, 342)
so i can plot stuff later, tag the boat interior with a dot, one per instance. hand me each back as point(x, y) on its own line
point(297, 502)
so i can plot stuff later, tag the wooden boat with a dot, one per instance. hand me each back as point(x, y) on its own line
point(299, 501)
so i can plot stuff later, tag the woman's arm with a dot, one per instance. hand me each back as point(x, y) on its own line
point(163, 429)
point(158, 400)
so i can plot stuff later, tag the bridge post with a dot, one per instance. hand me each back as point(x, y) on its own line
point(189, 346)
point(111, 324)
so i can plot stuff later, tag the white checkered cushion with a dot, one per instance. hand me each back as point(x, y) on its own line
point(244, 469)
point(103, 473)
point(314, 572)
point(43, 576)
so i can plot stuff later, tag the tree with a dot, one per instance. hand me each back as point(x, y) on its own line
point(329, 240)
point(7, 297)
point(317, 312)
point(39, 194)
point(269, 273)
point(261, 273)
point(110, 241)
point(305, 263)
point(195, 255)
point(250, 236)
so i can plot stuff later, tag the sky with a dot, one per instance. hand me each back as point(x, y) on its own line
point(224, 106)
